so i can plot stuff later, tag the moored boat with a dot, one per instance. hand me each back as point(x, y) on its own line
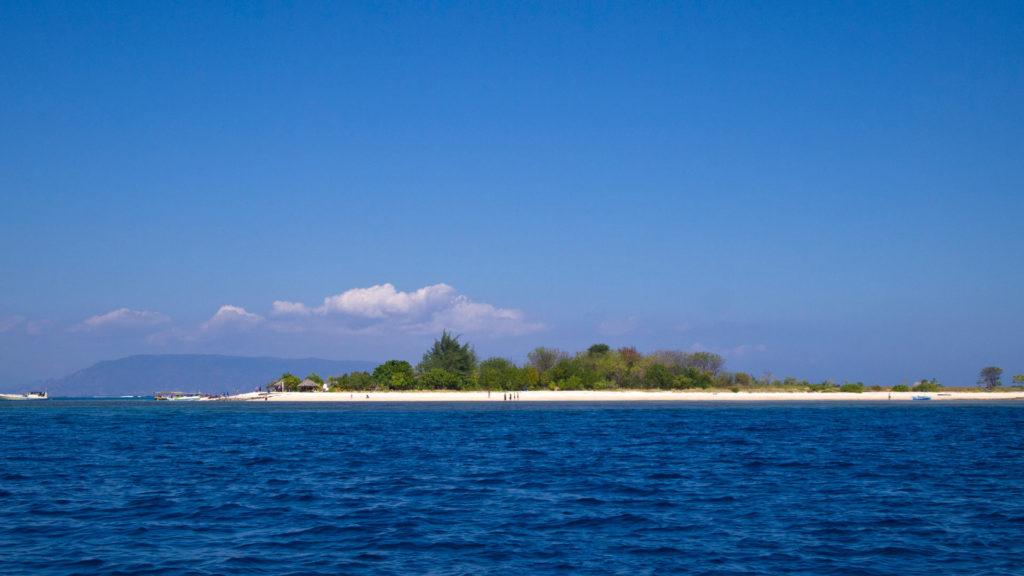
point(922, 397)
point(177, 396)
point(29, 396)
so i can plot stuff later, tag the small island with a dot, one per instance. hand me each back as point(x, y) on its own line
point(451, 372)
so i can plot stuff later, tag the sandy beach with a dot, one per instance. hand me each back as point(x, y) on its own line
point(618, 396)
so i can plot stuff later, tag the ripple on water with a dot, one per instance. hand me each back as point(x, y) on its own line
point(139, 488)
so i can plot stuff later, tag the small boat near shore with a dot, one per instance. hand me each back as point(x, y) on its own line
point(29, 396)
point(922, 398)
point(178, 396)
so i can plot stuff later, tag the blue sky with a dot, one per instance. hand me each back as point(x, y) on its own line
point(819, 191)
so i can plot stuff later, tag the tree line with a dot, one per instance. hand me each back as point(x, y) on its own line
point(453, 365)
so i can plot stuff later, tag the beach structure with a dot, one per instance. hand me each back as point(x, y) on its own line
point(308, 385)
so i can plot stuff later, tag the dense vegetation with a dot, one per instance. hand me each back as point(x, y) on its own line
point(451, 365)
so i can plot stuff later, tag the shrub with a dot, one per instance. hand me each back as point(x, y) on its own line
point(855, 388)
point(901, 388)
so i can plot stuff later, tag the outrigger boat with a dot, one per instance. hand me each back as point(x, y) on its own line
point(29, 396)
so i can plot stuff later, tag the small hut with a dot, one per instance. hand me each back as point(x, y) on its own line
point(308, 385)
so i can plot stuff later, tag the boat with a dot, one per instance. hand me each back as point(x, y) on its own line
point(921, 398)
point(29, 396)
point(177, 396)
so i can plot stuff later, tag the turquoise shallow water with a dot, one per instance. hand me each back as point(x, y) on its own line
point(137, 487)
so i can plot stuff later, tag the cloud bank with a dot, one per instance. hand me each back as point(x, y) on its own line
point(380, 310)
point(383, 308)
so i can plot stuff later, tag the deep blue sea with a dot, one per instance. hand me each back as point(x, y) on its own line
point(140, 487)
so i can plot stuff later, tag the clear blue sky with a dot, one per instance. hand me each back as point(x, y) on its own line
point(819, 190)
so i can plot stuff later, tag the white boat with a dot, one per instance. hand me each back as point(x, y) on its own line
point(29, 396)
point(177, 396)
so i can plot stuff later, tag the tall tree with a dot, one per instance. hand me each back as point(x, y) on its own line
point(989, 377)
point(544, 359)
point(706, 361)
point(448, 355)
point(629, 355)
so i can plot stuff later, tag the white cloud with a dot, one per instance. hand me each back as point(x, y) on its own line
point(232, 317)
point(282, 308)
point(123, 318)
point(618, 326)
point(383, 300)
point(227, 321)
point(37, 327)
point(380, 301)
point(382, 309)
point(8, 324)
point(464, 315)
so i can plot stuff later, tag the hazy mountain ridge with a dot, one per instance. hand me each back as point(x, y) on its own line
point(143, 375)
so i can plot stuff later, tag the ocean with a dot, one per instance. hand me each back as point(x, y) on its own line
point(140, 487)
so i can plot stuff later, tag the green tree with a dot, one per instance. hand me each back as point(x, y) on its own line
point(706, 361)
point(598, 349)
point(496, 374)
point(989, 377)
point(527, 378)
point(447, 354)
point(612, 369)
point(360, 381)
point(691, 377)
point(659, 376)
point(927, 385)
point(290, 382)
point(544, 359)
point(353, 381)
point(1018, 379)
point(438, 379)
point(394, 375)
point(743, 379)
point(565, 370)
point(315, 378)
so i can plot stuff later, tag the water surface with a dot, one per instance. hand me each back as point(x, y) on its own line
point(136, 487)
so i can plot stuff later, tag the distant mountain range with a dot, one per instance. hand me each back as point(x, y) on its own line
point(143, 375)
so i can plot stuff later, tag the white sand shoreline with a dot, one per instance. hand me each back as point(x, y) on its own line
point(618, 396)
